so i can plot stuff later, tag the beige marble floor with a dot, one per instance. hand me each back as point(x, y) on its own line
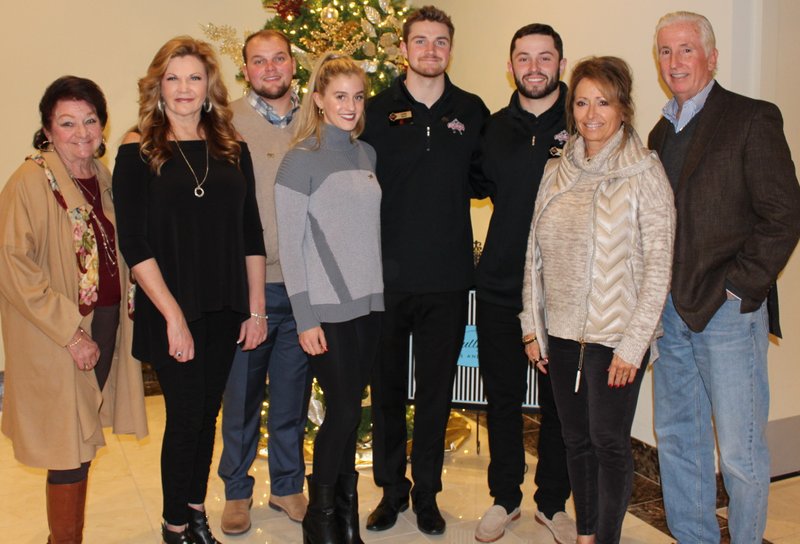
point(124, 500)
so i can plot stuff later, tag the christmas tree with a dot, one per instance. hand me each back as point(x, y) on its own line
point(368, 30)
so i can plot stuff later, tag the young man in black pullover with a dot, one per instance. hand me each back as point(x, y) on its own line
point(425, 131)
point(516, 143)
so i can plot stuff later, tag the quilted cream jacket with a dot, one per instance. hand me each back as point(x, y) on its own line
point(630, 256)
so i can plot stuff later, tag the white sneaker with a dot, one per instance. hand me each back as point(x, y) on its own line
point(562, 526)
point(493, 523)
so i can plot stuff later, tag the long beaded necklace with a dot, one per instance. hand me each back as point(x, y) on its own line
point(198, 190)
point(109, 250)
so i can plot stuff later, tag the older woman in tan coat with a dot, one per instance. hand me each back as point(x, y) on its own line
point(65, 319)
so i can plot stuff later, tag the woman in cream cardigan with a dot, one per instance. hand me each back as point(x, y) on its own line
point(596, 278)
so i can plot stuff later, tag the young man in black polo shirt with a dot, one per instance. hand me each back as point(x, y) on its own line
point(425, 131)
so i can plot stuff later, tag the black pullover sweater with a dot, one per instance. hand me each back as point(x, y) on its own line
point(515, 146)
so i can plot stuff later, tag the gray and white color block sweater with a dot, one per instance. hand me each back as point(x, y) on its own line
point(328, 209)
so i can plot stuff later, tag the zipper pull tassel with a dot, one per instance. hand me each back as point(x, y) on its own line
point(580, 368)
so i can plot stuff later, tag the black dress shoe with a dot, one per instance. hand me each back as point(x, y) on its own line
point(385, 514)
point(429, 520)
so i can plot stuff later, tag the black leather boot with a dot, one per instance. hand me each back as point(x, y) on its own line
point(198, 528)
point(172, 537)
point(320, 525)
point(347, 508)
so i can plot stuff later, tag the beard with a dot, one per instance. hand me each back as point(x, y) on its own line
point(427, 69)
point(551, 86)
point(273, 94)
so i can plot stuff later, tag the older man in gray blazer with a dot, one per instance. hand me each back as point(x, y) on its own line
point(738, 204)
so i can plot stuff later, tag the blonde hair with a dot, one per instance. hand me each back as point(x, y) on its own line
point(329, 66)
point(153, 125)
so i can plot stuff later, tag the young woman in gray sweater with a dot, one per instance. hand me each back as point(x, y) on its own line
point(327, 200)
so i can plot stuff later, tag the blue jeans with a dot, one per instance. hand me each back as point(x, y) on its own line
point(289, 390)
point(720, 374)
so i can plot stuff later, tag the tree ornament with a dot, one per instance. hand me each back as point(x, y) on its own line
point(288, 9)
point(329, 14)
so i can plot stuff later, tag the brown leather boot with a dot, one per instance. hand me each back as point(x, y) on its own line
point(66, 504)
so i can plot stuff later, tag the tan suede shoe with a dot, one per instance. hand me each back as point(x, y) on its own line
point(236, 516)
point(293, 506)
point(494, 522)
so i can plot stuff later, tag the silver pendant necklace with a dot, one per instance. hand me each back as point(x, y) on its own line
point(198, 190)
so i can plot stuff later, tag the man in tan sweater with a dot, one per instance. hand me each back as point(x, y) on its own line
point(264, 118)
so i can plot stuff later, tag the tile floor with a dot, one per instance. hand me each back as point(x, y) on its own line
point(124, 500)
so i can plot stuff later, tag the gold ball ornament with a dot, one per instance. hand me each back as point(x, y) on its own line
point(329, 14)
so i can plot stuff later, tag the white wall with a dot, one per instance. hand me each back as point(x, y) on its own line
point(779, 80)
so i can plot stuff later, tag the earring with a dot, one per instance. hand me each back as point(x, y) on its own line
point(207, 105)
point(101, 149)
point(44, 145)
point(160, 105)
point(321, 112)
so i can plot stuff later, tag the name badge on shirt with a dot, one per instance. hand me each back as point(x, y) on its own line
point(398, 118)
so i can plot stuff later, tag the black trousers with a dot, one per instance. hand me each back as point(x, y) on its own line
point(192, 395)
point(504, 368)
point(596, 423)
point(343, 373)
point(437, 321)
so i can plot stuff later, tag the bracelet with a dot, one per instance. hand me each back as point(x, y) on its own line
point(78, 341)
point(526, 341)
point(259, 317)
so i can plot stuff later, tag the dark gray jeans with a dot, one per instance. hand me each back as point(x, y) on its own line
point(596, 425)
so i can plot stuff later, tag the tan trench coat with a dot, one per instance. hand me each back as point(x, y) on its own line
point(53, 412)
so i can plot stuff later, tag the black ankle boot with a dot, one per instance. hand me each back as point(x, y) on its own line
point(320, 525)
point(171, 537)
point(198, 528)
point(347, 508)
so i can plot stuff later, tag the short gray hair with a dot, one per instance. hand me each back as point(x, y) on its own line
point(700, 22)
